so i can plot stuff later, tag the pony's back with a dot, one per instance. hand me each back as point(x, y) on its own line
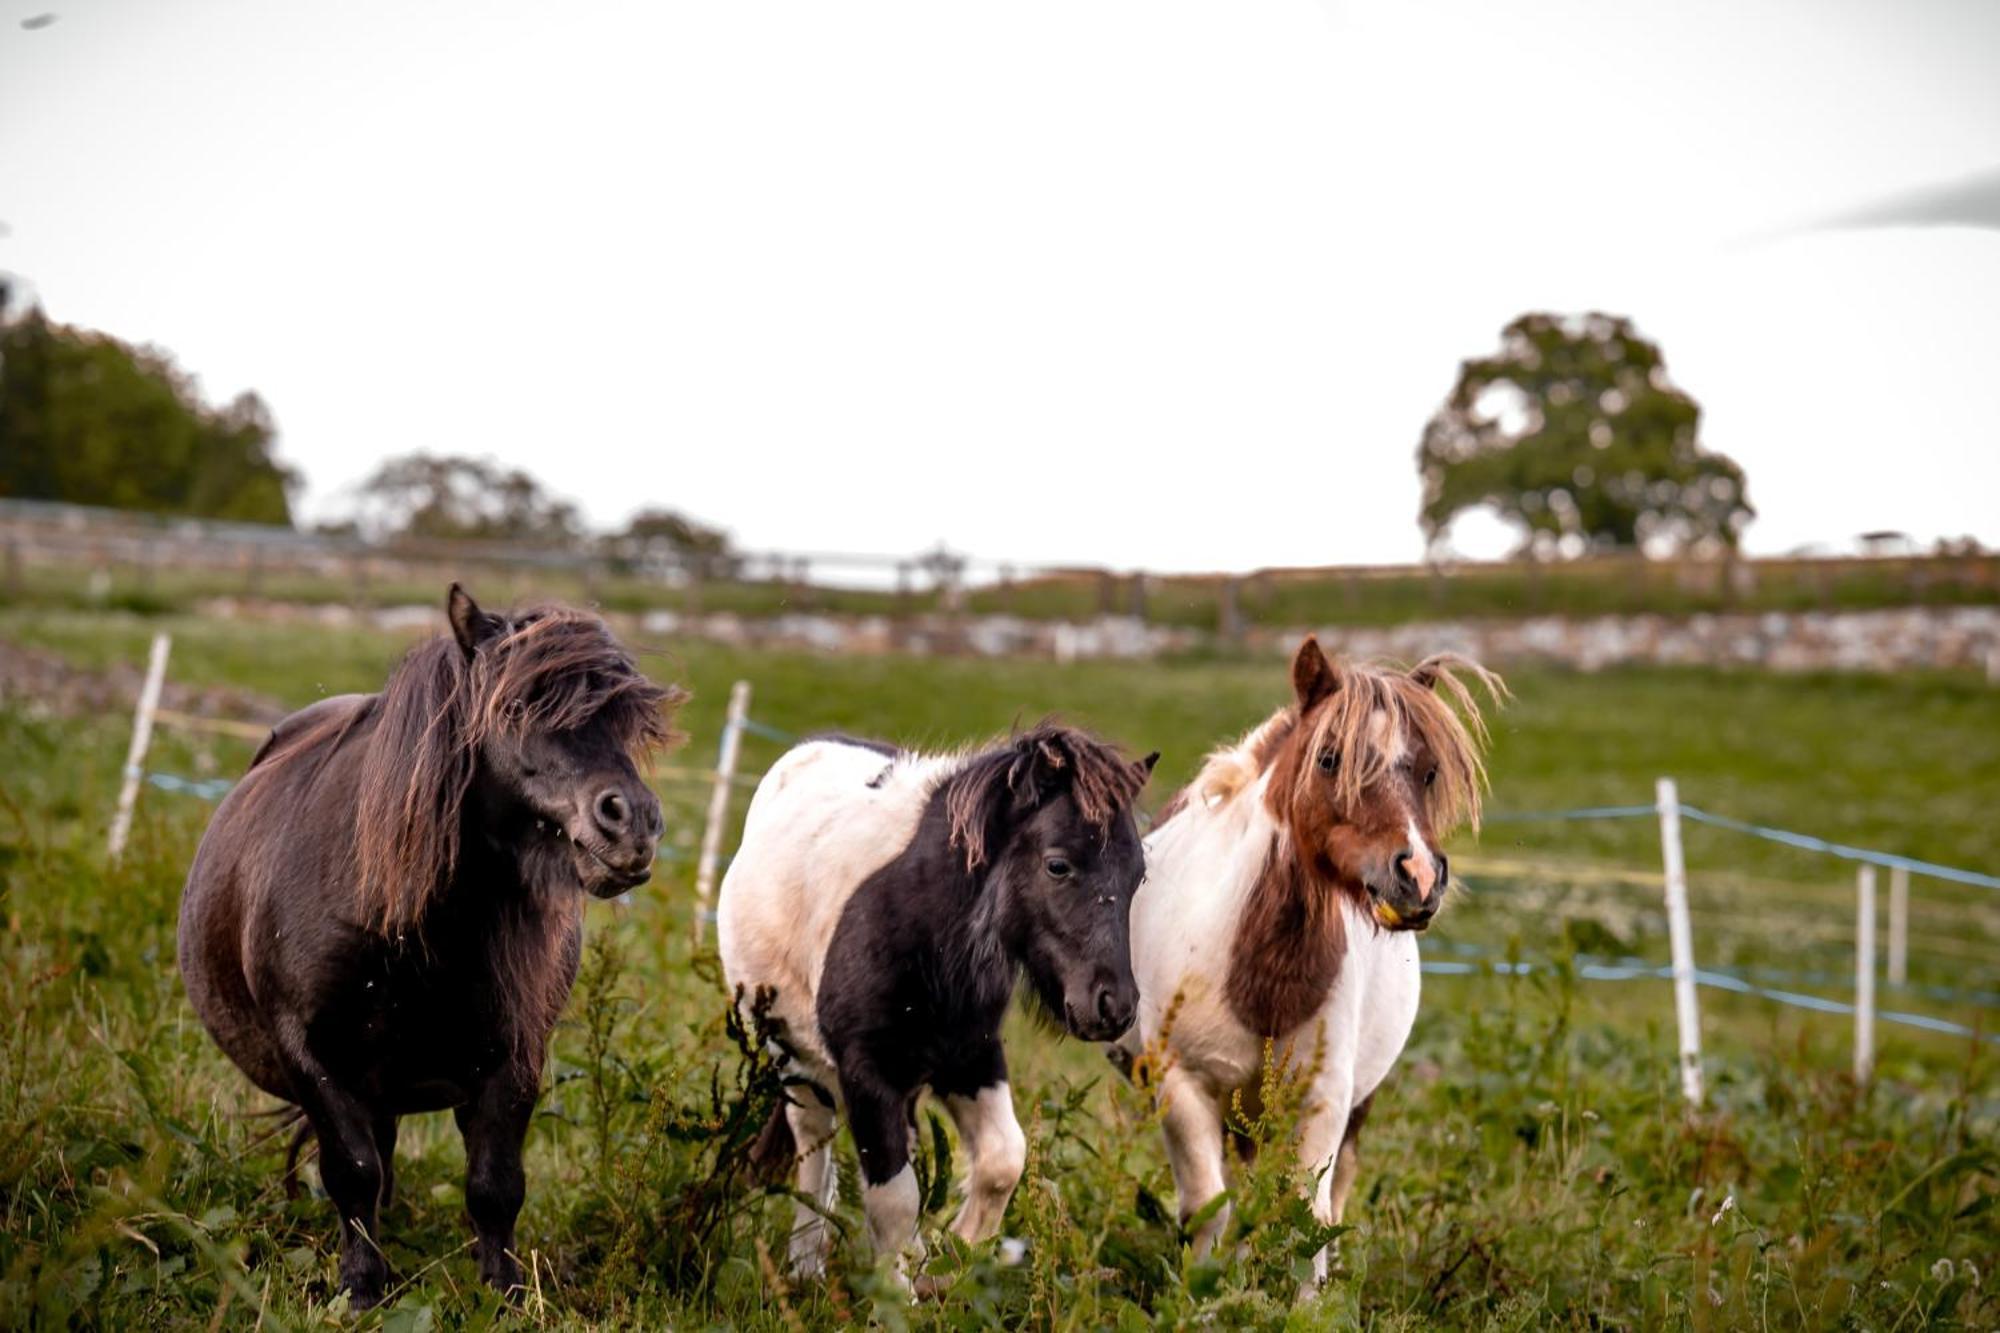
point(824, 818)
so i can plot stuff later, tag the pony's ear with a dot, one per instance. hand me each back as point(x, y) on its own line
point(1313, 676)
point(1425, 673)
point(1044, 769)
point(1148, 762)
point(469, 625)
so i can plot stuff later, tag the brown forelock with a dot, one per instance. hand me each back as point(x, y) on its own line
point(1100, 778)
point(555, 670)
point(558, 668)
point(1341, 722)
point(1291, 937)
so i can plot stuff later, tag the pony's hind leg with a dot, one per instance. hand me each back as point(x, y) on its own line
point(494, 1124)
point(1192, 1121)
point(385, 1148)
point(1347, 1162)
point(811, 1122)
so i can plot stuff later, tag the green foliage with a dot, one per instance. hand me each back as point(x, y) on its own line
point(87, 419)
point(666, 542)
point(1528, 1166)
point(450, 497)
point(1573, 433)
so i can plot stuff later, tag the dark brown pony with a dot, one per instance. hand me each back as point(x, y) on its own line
point(385, 915)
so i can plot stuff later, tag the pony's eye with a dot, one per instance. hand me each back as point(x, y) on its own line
point(1431, 777)
point(1329, 761)
point(1058, 867)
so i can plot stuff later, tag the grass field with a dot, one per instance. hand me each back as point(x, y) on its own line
point(1529, 1165)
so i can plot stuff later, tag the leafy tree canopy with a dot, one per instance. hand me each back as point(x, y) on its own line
point(675, 531)
point(1574, 434)
point(87, 419)
point(665, 541)
point(450, 497)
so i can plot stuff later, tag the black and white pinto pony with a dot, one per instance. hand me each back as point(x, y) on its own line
point(1284, 888)
point(886, 903)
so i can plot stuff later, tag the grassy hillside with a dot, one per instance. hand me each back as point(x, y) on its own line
point(1528, 1165)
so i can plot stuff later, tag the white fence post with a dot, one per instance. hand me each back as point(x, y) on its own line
point(718, 806)
point(1864, 975)
point(142, 739)
point(1681, 937)
point(1899, 925)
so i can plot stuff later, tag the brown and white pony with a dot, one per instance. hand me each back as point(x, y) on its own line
point(1284, 887)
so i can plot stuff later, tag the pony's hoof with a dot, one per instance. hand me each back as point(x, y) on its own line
point(504, 1276)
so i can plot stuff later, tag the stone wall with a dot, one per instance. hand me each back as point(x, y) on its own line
point(1899, 639)
point(1902, 639)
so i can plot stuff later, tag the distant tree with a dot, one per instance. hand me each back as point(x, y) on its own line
point(453, 497)
point(87, 419)
point(664, 541)
point(1574, 434)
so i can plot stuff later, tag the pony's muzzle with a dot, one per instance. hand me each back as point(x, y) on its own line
point(626, 821)
point(1113, 1004)
point(1416, 890)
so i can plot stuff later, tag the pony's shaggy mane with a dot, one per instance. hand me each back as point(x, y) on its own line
point(551, 669)
point(1098, 776)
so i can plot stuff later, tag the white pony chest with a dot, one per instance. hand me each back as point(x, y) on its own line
point(1201, 868)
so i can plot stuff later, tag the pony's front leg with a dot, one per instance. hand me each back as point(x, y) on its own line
point(494, 1125)
point(878, 1116)
point(351, 1169)
point(1192, 1121)
point(1326, 1151)
point(999, 1151)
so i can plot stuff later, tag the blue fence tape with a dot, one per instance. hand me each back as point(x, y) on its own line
point(769, 733)
point(1804, 841)
point(1978, 999)
point(208, 789)
point(1812, 844)
point(1587, 812)
point(1714, 981)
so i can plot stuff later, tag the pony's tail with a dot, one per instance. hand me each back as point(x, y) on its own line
point(776, 1151)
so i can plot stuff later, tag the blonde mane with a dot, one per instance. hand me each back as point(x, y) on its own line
point(1429, 701)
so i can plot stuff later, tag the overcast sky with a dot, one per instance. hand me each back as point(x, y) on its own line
point(1145, 284)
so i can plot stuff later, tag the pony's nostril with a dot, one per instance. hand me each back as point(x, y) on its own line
point(1419, 875)
point(612, 811)
point(1106, 1003)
